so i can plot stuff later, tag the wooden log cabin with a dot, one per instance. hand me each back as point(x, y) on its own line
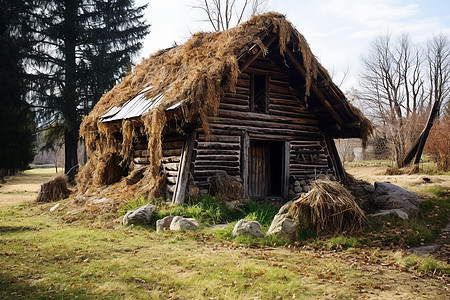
point(251, 101)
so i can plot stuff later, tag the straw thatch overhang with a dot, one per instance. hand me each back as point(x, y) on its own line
point(182, 88)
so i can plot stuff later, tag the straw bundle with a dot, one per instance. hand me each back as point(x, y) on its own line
point(54, 189)
point(226, 186)
point(328, 208)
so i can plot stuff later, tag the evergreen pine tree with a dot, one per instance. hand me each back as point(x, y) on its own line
point(17, 128)
point(83, 48)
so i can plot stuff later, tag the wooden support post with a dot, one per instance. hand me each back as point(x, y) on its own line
point(285, 177)
point(183, 170)
point(336, 161)
point(245, 145)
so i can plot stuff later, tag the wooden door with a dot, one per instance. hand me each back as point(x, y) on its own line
point(259, 170)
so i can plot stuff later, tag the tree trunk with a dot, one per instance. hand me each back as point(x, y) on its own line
point(68, 106)
point(71, 161)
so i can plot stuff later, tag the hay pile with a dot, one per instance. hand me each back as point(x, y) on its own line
point(226, 186)
point(196, 75)
point(53, 190)
point(328, 208)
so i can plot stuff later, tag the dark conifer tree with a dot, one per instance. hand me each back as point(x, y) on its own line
point(83, 47)
point(17, 127)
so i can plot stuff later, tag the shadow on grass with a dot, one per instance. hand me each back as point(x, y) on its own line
point(16, 228)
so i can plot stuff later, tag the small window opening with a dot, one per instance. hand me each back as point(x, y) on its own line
point(259, 99)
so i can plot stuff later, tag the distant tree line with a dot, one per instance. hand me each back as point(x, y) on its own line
point(71, 52)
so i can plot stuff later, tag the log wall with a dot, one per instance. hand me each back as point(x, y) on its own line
point(171, 151)
point(286, 120)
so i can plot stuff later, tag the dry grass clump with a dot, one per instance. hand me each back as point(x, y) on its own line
point(226, 186)
point(328, 208)
point(53, 190)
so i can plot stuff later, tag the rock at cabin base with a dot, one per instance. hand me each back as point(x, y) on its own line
point(396, 212)
point(390, 196)
point(141, 215)
point(282, 222)
point(164, 224)
point(179, 223)
point(252, 228)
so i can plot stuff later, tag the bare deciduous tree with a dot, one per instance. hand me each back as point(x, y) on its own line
point(223, 14)
point(393, 89)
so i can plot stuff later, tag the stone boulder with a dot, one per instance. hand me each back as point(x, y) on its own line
point(389, 196)
point(141, 215)
point(395, 212)
point(179, 223)
point(164, 224)
point(244, 227)
point(283, 222)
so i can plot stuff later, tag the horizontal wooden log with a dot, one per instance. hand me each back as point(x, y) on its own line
point(171, 173)
point(227, 169)
point(171, 152)
point(236, 101)
point(217, 145)
point(171, 159)
point(306, 118)
point(172, 145)
point(208, 151)
point(212, 164)
point(142, 153)
point(171, 166)
point(215, 157)
point(138, 166)
point(234, 107)
point(206, 172)
point(219, 138)
point(141, 160)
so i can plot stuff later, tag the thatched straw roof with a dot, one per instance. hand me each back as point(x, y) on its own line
point(192, 78)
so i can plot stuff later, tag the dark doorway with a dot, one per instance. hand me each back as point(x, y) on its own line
point(265, 169)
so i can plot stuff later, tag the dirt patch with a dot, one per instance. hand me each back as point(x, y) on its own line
point(23, 187)
point(414, 182)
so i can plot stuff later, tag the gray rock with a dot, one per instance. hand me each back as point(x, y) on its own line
point(164, 224)
point(179, 223)
point(322, 177)
point(298, 189)
point(283, 223)
point(390, 196)
point(252, 228)
point(303, 182)
point(397, 211)
point(296, 183)
point(307, 188)
point(141, 215)
point(369, 188)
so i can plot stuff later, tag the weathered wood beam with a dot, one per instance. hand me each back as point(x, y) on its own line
point(254, 56)
point(245, 145)
point(183, 171)
point(285, 175)
point(314, 88)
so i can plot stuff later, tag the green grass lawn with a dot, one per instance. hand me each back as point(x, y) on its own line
point(46, 255)
point(43, 257)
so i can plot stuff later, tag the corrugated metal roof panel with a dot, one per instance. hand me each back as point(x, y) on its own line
point(135, 107)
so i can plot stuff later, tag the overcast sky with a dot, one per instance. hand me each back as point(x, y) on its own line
point(338, 31)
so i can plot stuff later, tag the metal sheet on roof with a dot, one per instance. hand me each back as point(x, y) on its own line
point(135, 107)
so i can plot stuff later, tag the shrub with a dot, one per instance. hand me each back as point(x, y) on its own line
point(438, 144)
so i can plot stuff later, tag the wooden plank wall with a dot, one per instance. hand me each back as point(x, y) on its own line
point(286, 121)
